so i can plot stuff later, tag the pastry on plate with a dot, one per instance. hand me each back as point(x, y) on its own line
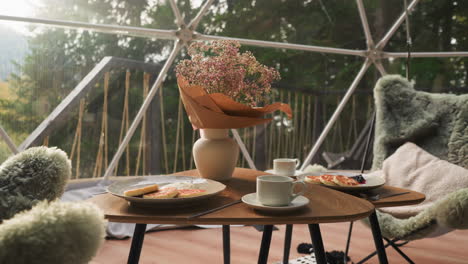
point(313, 179)
point(181, 185)
point(186, 193)
point(164, 193)
point(327, 179)
point(142, 190)
point(345, 181)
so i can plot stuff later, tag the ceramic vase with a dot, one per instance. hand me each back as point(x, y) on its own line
point(215, 154)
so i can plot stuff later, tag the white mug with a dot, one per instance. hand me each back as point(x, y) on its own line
point(274, 190)
point(285, 167)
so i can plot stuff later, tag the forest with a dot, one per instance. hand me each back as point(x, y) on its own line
point(57, 59)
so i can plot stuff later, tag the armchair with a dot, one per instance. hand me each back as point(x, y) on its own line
point(34, 226)
point(438, 124)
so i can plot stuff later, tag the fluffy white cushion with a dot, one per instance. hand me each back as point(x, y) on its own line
point(53, 233)
point(413, 168)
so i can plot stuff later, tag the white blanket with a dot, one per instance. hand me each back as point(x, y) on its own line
point(411, 167)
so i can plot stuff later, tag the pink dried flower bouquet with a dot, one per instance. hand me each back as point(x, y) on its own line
point(219, 67)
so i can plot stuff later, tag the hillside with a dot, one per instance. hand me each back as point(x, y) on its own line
point(4, 91)
point(13, 47)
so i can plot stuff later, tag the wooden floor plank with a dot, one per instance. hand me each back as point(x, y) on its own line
point(194, 245)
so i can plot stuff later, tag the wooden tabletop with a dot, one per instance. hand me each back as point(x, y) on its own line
point(326, 206)
point(410, 198)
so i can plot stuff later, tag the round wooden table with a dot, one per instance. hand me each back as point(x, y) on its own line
point(326, 206)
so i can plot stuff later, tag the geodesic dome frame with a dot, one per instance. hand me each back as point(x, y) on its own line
point(186, 32)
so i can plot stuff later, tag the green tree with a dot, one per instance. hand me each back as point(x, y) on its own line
point(59, 58)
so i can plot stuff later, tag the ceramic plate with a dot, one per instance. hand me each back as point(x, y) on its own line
point(251, 200)
point(118, 187)
point(296, 173)
point(371, 182)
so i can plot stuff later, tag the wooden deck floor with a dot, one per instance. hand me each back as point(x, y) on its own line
point(205, 246)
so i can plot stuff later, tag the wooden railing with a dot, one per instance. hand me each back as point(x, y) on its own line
point(64, 109)
point(165, 139)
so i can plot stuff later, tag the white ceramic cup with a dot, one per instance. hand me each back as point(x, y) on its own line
point(285, 167)
point(274, 190)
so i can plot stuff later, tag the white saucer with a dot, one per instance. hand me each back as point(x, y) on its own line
point(296, 173)
point(251, 200)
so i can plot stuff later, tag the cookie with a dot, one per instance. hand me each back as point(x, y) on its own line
point(142, 190)
point(344, 181)
point(327, 179)
point(164, 193)
point(186, 193)
point(313, 179)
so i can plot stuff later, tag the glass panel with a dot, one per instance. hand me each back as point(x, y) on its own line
point(434, 26)
point(381, 15)
point(312, 84)
point(321, 23)
point(49, 64)
point(41, 65)
point(436, 75)
point(144, 13)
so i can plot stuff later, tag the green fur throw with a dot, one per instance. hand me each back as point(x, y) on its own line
point(53, 233)
point(438, 123)
point(36, 174)
point(451, 212)
point(416, 227)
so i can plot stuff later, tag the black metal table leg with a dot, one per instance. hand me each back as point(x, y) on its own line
point(137, 243)
point(317, 242)
point(265, 246)
point(287, 243)
point(226, 244)
point(379, 246)
point(348, 241)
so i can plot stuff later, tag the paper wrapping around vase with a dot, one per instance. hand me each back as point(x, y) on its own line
point(219, 111)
